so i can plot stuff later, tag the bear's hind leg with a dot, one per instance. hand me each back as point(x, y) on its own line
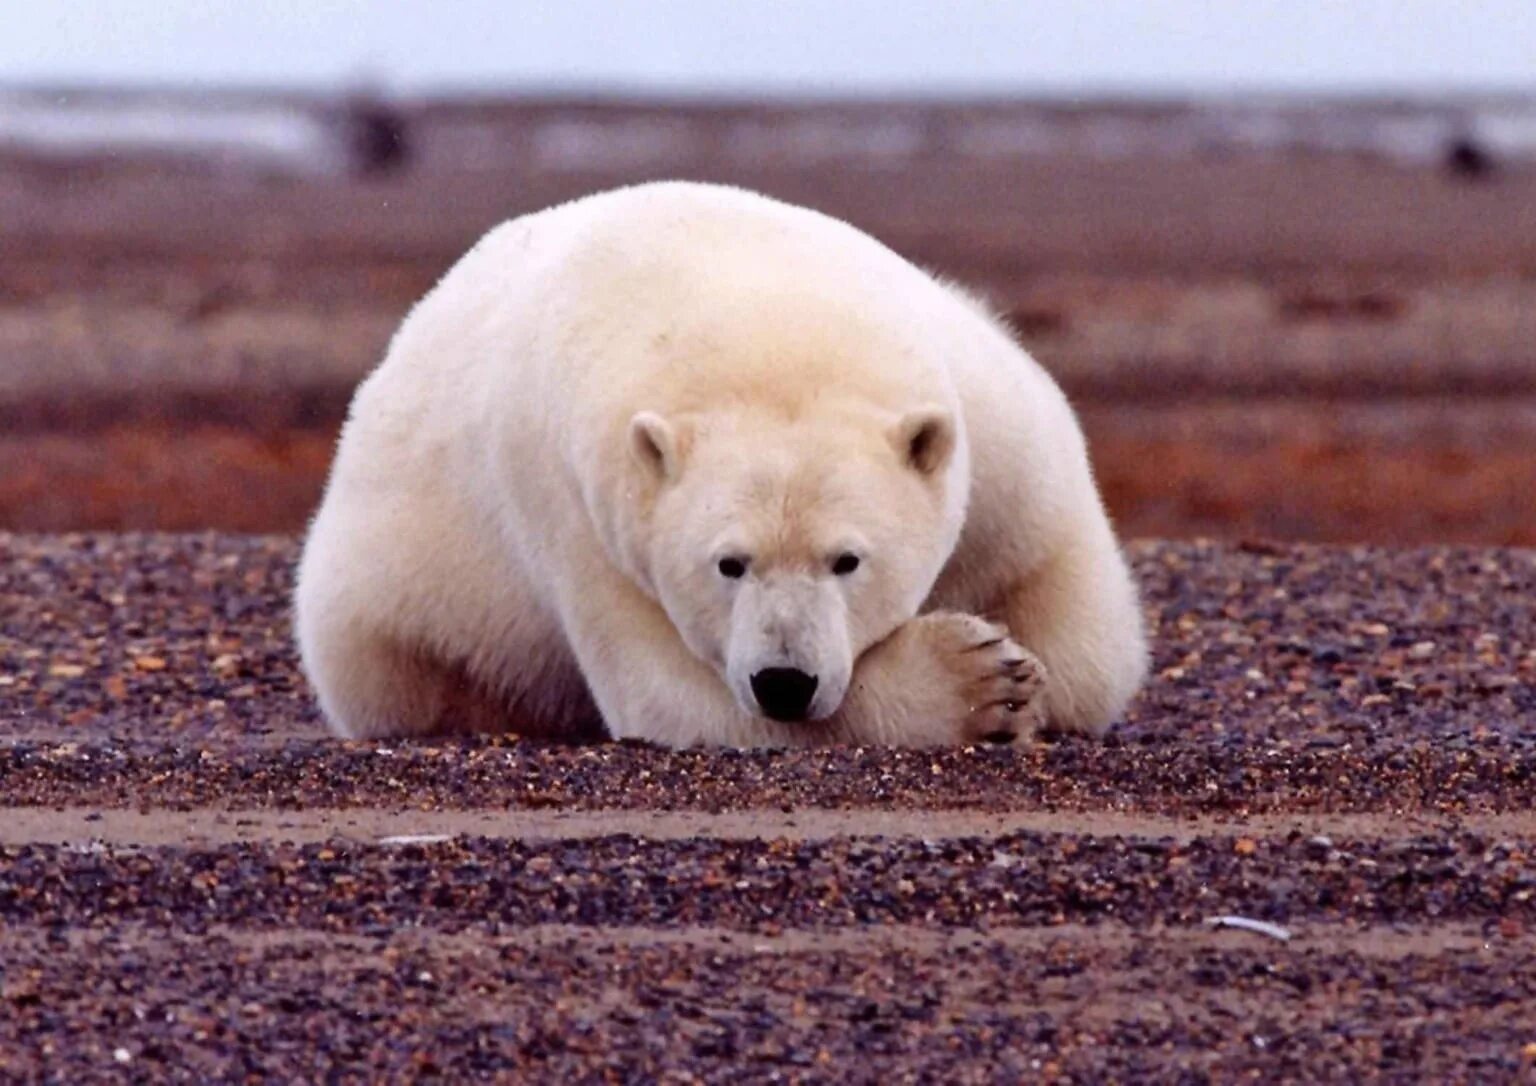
point(1081, 614)
point(371, 687)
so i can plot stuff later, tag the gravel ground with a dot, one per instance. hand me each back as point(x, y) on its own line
point(196, 885)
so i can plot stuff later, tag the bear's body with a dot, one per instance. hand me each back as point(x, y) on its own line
point(688, 459)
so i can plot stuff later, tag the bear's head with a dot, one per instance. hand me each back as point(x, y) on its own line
point(782, 548)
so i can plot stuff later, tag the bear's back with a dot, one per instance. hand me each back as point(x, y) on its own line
point(688, 242)
point(716, 286)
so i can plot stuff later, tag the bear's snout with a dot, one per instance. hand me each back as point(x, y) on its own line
point(784, 693)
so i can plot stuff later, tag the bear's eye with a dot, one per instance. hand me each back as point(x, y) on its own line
point(845, 564)
point(734, 568)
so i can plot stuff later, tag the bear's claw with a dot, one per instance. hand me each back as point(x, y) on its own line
point(1000, 681)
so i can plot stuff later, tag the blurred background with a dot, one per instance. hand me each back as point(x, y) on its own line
point(1282, 256)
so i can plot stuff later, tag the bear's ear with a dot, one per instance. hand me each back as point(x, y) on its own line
point(925, 439)
point(656, 445)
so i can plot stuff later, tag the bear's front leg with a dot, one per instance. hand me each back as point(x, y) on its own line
point(944, 678)
point(941, 679)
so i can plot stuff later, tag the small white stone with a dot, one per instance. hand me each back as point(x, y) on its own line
point(416, 839)
point(1244, 923)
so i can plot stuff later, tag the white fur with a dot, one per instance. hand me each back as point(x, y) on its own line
point(533, 491)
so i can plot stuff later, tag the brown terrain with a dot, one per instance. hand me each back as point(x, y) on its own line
point(1302, 346)
point(1323, 361)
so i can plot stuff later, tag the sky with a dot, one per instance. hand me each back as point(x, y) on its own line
point(779, 46)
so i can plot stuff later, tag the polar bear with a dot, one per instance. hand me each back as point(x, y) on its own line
point(711, 469)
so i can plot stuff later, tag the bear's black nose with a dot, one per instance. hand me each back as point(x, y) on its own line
point(784, 692)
